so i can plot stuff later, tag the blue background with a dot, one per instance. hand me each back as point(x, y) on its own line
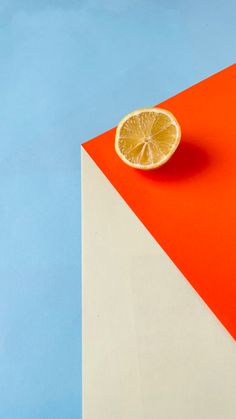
point(68, 71)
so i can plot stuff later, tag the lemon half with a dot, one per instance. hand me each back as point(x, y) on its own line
point(147, 138)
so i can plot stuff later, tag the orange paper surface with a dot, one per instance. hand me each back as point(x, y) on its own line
point(189, 205)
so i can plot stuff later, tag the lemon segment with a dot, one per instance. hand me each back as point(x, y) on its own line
point(147, 138)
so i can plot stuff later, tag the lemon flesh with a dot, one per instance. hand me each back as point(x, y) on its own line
point(147, 138)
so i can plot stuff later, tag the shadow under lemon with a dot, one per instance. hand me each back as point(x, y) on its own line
point(188, 160)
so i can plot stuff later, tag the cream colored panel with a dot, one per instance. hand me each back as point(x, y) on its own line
point(152, 349)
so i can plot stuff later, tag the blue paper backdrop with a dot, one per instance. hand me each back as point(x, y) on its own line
point(68, 71)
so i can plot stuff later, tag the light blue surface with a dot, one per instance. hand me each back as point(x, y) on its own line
point(68, 71)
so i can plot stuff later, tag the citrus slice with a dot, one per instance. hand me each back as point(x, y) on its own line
point(147, 138)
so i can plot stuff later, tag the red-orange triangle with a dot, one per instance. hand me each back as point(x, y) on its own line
point(189, 205)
